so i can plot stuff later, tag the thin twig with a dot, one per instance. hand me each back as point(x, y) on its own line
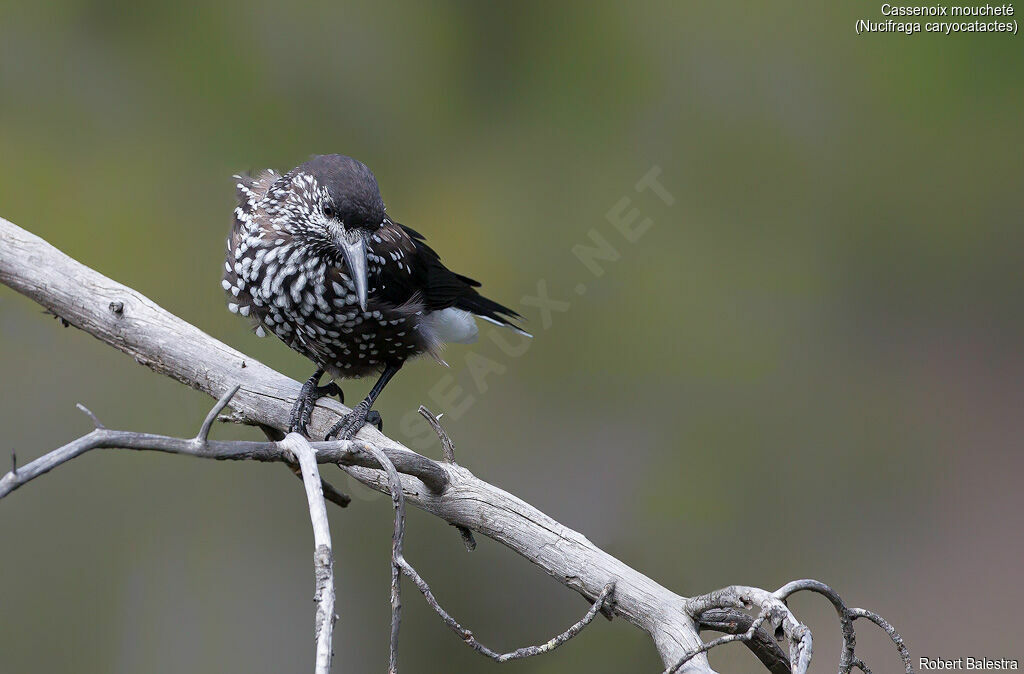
point(727, 639)
point(859, 664)
point(397, 540)
point(448, 450)
point(762, 645)
point(95, 421)
point(341, 452)
point(204, 430)
point(847, 657)
point(527, 651)
point(447, 446)
point(323, 557)
point(399, 565)
point(891, 631)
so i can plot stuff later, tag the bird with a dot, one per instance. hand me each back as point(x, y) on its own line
point(314, 258)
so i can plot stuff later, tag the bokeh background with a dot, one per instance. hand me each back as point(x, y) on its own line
point(809, 365)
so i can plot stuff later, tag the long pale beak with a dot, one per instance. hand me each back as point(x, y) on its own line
point(353, 247)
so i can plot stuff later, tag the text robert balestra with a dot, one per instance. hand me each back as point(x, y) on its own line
point(968, 664)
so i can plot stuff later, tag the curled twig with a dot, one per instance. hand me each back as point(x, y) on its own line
point(891, 631)
point(399, 566)
point(848, 659)
point(773, 610)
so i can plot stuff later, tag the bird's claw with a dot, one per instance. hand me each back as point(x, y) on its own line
point(349, 425)
point(331, 389)
point(302, 411)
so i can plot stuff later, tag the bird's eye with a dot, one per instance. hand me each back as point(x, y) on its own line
point(327, 210)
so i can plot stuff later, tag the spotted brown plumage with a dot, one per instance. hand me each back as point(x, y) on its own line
point(314, 258)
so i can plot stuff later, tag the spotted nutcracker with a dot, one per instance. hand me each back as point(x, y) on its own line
point(314, 258)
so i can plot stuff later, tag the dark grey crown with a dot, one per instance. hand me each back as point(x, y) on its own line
point(352, 187)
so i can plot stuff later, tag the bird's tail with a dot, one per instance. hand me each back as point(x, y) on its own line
point(489, 310)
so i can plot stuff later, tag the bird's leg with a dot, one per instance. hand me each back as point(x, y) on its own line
point(302, 411)
point(361, 414)
point(330, 389)
point(307, 392)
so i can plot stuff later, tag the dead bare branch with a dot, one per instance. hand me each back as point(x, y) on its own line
point(82, 297)
point(323, 556)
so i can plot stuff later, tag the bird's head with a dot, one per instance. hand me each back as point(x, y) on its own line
point(333, 203)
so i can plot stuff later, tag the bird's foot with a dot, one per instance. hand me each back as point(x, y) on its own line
point(349, 425)
point(302, 411)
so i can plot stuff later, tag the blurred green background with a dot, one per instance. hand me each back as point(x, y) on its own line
point(809, 365)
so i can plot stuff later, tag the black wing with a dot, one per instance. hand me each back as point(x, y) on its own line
point(438, 286)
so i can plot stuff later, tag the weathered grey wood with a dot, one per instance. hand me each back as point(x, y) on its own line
point(136, 325)
point(323, 555)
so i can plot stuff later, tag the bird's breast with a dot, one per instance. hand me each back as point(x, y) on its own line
point(312, 306)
